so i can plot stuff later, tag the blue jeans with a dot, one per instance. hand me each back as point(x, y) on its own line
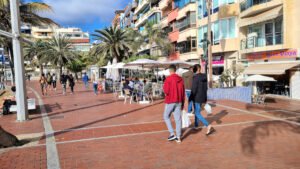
point(95, 86)
point(86, 84)
point(190, 104)
point(198, 115)
point(176, 109)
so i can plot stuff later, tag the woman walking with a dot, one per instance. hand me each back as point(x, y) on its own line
point(95, 84)
point(43, 83)
point(71, 83)
point(49, 80)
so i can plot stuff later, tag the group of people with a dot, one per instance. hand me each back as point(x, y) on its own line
point(49, 82)
point(193, 85)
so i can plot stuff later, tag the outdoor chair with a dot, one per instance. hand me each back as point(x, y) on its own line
point(130, 95)
point(261, 99)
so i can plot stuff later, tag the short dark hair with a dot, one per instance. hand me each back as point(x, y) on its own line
point(172, 68)
point(13, 88)
point(196, 67)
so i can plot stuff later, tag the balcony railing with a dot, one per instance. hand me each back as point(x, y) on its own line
point(268, 40)
point(246, 4)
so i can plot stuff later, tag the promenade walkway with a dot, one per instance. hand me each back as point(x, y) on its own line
point(87, 131)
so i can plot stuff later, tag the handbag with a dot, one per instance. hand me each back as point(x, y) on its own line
point(185, 120)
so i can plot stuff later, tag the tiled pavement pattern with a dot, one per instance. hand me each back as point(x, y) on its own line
point(101, 132)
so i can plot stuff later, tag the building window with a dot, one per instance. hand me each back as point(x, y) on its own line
point(44, 34)
point(202, 11)
point(182, 3)
point(221, 29)
point(187, 22)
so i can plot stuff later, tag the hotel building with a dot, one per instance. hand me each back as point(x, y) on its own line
point(270, 42)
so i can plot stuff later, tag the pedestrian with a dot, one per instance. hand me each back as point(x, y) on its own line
point(63, 82)
point(49, 80)
point(199, 97)
point(28, 77)
point(71, 83)
point(85, 80)
point(54, 79)
point(43, 83)
point(174, 102)
point(95, 84)
point(188, 80)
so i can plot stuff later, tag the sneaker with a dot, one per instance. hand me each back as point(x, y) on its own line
point(178, 140)
point(171, 138)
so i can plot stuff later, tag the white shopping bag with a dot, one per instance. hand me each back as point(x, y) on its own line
point(186, 122)
point(207, 108)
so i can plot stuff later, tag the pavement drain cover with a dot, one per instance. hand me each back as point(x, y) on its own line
point(57, 117)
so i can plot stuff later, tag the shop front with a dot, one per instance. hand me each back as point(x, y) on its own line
point(282, 65)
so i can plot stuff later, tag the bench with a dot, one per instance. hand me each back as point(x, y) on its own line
point(31, 105)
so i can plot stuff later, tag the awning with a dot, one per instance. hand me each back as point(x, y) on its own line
point(265, 16)
point(269, 69)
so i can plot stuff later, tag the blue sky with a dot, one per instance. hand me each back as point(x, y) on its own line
point(86, 14)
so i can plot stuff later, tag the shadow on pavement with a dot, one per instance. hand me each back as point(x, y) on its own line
point(104, 119)
point(217, 118)
point(261, 130)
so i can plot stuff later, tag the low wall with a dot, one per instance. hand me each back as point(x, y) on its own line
point(242, 94)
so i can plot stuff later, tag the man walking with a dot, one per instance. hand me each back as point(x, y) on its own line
point(85, 80)
point(188, 80)
point(199, 97)
point(174, 99)
point(63, 81)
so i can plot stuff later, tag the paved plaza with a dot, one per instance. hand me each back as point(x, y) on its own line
point(87, 131)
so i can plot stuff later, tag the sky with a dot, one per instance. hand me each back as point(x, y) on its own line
point(85, 14)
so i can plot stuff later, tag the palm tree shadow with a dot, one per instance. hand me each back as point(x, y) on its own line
point(217, 118)
point(261, 130)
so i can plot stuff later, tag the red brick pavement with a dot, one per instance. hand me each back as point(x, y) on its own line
point(101, 132)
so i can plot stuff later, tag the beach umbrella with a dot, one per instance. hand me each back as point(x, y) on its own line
point(178, 63)
point(115, 76)
point(108, 70)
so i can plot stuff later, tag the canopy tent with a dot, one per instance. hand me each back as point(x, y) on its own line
point(178, 63)
point(260, 78)
point(270, 68)
point(115, 76)
point(143, 62)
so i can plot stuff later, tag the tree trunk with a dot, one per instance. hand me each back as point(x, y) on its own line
point(41, 69)
point(209, 47)
point(7, 139)
point(76, 76)
point(60, 70)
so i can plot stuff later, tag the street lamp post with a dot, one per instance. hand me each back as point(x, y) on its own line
point(21, 96)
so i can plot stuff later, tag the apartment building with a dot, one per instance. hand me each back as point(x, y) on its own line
point(80, 40)
point(270, 43)
point(116, 20)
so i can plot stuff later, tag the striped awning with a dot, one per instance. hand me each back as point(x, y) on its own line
point(270, 68)
point(265, 16)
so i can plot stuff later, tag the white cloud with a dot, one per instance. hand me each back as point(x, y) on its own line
point(68, 12)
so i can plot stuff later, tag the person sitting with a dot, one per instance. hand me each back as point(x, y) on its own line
point(9, 101)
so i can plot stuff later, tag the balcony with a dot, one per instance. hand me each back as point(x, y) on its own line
point(184, 35)
point(174, 56)
point(134, 18)
point(191, 7)
point(253, 7)
point(173, 36)
point(173, 15)
point(141, 6)
point(134, 6)
point(163, 4)
point(145, 17)
point(254, 44)
point(164, 22)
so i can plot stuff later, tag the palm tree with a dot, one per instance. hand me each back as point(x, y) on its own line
point(114, 43)
point(156, 37)
point(28, 14)
point(58, 51)
point(34, 51)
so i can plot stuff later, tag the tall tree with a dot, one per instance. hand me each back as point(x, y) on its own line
point(114, 43)
point(156, 37)
point(35, 51)
point(58, 51)
point(29, 13)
